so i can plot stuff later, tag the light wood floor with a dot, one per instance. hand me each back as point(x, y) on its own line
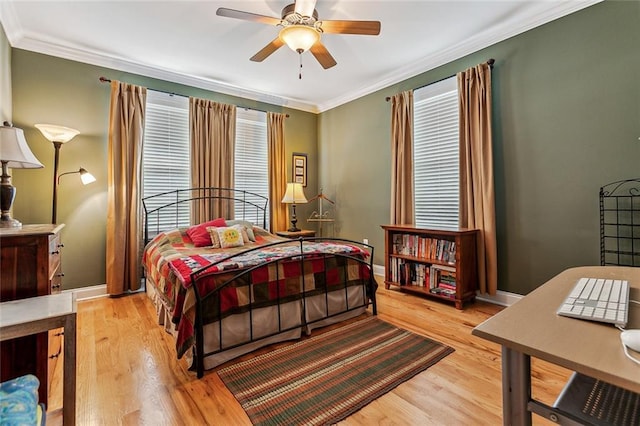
point(128, 373)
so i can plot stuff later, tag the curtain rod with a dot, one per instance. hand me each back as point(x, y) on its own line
point(490, 62)
point(106, 80)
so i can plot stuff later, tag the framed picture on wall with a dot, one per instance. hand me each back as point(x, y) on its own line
point(300, 168)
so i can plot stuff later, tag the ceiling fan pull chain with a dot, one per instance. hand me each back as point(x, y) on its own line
point(300, 74)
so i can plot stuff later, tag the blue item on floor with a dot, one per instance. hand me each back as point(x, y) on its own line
point(19, 402)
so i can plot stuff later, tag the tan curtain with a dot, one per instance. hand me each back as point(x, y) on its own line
point(402, 209)
point(278, 220)
point(124, 176)
point(477, 196)
point(213, 138)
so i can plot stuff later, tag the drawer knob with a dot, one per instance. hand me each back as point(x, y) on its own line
point(55, 252)
point(60, 245)
point(56, 286)
point(60, 333)
point(61, 274)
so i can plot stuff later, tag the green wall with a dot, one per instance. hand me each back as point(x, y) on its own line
point(5, 78)
point(58, 91)
point(566, 122)
point(566, 104)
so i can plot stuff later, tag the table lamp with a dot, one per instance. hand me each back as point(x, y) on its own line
point(58, 135)
point(15, 154)
point(294, 195)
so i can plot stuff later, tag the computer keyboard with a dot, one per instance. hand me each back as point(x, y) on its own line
point(598, 299)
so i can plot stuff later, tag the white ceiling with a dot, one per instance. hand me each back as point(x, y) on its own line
point(185, 42)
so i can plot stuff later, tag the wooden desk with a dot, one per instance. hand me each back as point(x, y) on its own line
point(531, 327)
point(32, 315)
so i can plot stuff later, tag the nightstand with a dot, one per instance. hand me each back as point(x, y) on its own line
point(304, 233)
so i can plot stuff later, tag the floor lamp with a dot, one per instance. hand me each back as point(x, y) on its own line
point(294, 195)
point(15, 154)
point(58, 135)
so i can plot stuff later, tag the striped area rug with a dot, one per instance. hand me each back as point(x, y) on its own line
point(323, 379)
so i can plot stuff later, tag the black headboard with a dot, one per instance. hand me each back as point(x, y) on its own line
point(163, 211)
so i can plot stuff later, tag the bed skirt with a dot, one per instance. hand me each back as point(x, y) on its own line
point(235, 328)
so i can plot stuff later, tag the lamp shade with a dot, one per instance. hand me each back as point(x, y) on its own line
point(15, 150)
point(56, 133)
point(86, 177)
point(294, 194)
point(299, 38)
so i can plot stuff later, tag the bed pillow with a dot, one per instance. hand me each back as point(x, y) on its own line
point(230, 237)
point(199, 234)
point(248, 227)
point(215, 238)
point(213, 234)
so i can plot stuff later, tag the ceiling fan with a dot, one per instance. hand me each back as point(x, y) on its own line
point(301, 30)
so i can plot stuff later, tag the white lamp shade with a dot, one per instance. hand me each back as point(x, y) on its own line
point(86, 177)
point(294, 194)
point(15, 150)
point(57, 133)
point(299, 38)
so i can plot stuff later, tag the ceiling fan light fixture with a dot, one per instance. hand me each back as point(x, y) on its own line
point(299, 38)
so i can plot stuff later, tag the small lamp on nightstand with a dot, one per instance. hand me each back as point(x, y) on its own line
point(294, 195)
point(15, 154)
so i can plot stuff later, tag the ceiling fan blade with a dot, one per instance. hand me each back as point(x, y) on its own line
point(305, 7)
point(246, 16)
point(267, 50)
point(351, 27)
point(322, 55)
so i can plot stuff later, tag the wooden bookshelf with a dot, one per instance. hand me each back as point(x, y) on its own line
point(440, 264)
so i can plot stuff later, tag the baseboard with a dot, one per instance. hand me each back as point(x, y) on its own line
point(378, 270)
point(502, 298)
point(91, 292)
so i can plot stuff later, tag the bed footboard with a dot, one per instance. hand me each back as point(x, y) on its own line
point(323, 281)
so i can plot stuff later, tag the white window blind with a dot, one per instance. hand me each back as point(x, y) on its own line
point(165, 154)
point(166, 157)
point(436, 155)
point(251, 162)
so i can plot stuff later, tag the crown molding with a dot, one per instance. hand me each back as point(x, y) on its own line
point(460, 50)
point(51, 48)
point(18, 39)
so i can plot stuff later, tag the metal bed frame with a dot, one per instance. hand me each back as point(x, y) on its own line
point(257, 205)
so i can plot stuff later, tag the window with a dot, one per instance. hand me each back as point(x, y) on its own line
point(166, 157)
point(251, 162)
point(436, 155)
point(165, 154)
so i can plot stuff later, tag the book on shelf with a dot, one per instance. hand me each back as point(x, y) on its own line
point(442, 273)
point(409, 273)
point(443, 292)
point(424, 247)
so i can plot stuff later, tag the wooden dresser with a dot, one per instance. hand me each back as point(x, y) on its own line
point(30, 265)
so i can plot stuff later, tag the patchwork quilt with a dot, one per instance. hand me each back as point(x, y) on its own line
point(235, 280)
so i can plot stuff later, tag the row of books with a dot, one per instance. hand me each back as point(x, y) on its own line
point(445, 283)
point(423, 275)
point(425, 247)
